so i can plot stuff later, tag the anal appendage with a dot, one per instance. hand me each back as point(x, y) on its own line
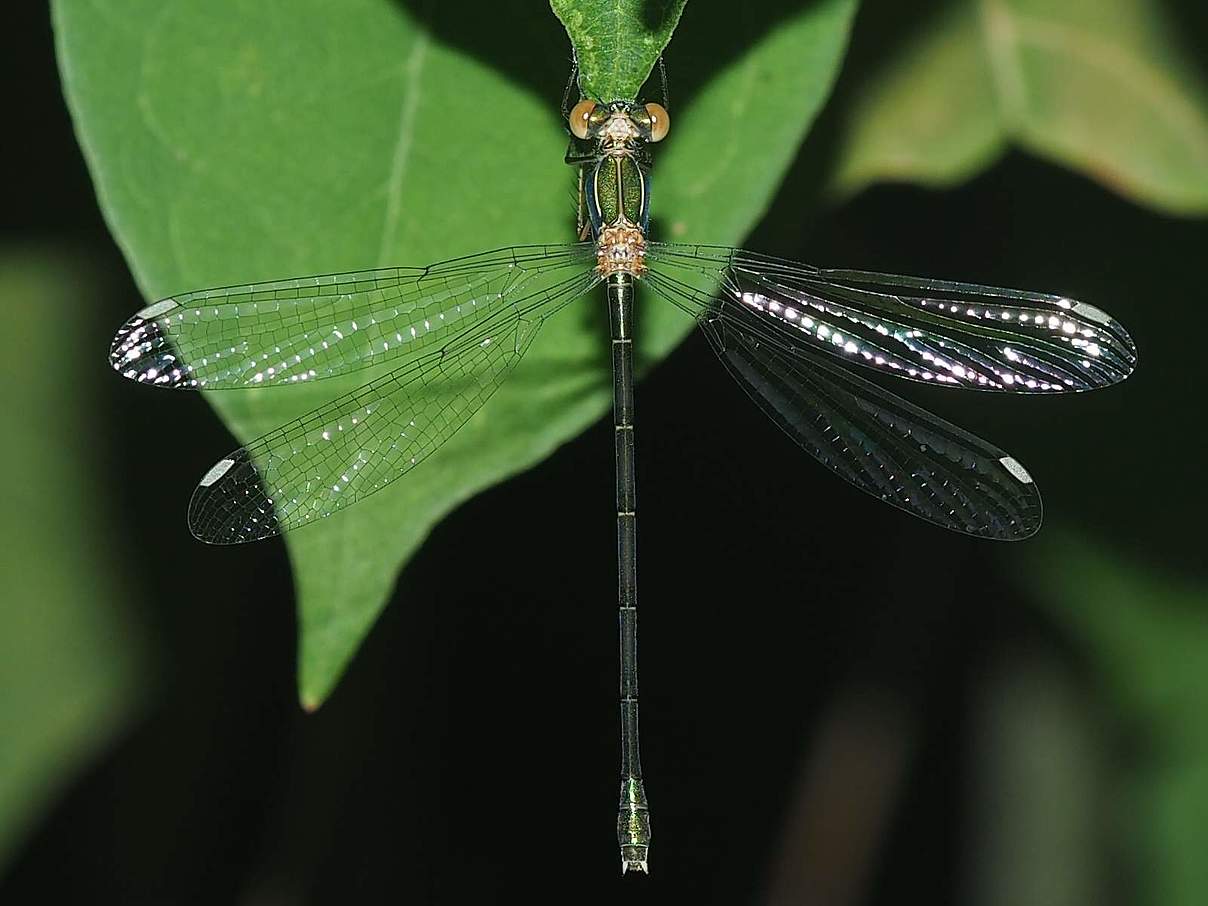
point(633, 825)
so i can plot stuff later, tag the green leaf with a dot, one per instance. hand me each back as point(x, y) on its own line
point(71, 658)
point(1146, 632)
point(230, 143)
point(1104, 88)
point(617, 42)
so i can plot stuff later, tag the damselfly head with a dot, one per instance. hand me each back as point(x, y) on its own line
point(620, 123)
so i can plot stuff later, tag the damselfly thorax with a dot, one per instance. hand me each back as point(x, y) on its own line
point(614, 179)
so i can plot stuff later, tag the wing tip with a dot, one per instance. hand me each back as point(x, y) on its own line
point(1030, 508)
point(229, 505)
point(1125, 348)
point(142, 351)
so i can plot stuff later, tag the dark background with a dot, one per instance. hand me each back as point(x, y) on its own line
point(814, 664)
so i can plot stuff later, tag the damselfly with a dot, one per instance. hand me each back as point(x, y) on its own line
point(454, 331)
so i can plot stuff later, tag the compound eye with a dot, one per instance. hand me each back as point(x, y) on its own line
point(660, 122)
point(580, 118)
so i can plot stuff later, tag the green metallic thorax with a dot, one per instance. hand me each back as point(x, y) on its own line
point(618, 190)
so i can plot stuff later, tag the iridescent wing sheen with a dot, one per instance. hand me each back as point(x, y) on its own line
point(305, 329)
point(358, 443)
point(952, 334)
point(882, 444)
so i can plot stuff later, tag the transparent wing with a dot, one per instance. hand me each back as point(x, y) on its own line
point(308, 328)
point(955, 334)
point(882, 444)
point(358, 443)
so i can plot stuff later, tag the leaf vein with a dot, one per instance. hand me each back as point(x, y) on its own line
point(402, 145)
point(998, 31)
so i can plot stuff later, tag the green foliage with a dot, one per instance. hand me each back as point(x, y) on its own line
point(617, 42)
point(1040, 784)
point(70, 658)
point(1147, 634)
point(232, 143)
point(1104, 88)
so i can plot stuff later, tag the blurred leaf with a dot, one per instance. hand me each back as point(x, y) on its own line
point(231, 143)
point(70, 655)
point(1147, 632)
point(1103, 87)
point(1040, 787)
point(617, 42)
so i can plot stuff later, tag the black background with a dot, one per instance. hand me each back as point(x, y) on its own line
point(470, 753)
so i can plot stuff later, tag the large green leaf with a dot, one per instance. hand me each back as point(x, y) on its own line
point(617, 42)
point(231, 141)
point(71, 655)
point(1101, 86)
